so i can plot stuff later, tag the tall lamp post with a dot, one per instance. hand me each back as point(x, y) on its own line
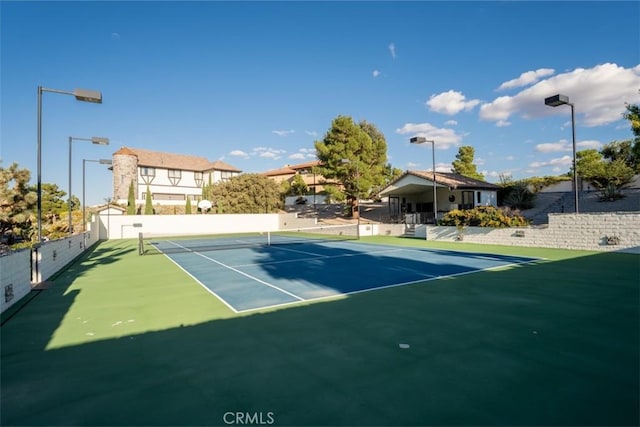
point(554, 101)
point(95, 140)
point(84, 161)
point(81, 95)
point(422, 140)
point(347, 161)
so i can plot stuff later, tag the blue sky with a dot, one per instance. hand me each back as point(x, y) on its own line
point(256, 83)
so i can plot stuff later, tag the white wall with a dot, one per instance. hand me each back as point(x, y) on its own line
point(15, 272)
point(588, 231)
point(128, 226)
point(20, 270)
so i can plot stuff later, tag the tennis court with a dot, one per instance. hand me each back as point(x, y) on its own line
point(257, 271)
point(123, 339)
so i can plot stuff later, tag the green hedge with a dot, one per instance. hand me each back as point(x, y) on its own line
point(483, 216)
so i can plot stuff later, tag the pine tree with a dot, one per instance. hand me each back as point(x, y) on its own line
point(187, 209)
point(131, 200)
point(148, 203)
point(463, 164)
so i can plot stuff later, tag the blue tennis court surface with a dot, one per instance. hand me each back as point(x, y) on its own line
point(258, 277)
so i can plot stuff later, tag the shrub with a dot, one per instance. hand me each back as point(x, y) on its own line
point(483, 216)
point(516, 195)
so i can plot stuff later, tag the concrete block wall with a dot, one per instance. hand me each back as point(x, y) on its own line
point(15, 277)
point(589, 231)
point(53, 255)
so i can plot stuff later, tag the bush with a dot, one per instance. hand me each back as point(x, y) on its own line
point(516, 196)
point(483, 216)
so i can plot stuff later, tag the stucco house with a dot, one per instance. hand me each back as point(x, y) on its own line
point(306, 171)
point(410, 196)
point(171, 178)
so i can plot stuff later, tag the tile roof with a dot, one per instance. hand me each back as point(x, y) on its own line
point(450, 179)
point(164, 160)
point(291, 169)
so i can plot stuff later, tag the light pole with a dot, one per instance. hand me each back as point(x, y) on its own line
point(95, 140)
point(422, 140)
point(555, 101)
point(84, 161)
point(347, 161)
point(81, 95)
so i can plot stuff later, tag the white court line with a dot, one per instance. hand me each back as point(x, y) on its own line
point(202, 284)
point(239, 272)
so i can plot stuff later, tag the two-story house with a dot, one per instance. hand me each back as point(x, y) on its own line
point(171, 178)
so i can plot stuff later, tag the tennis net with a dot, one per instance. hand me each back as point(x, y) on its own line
point(150, 244)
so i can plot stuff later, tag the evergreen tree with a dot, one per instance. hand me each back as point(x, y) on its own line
point(187, 208)
point(247, 193)
point(131, 200)
point(298, 186)
point(148, 203)
point(463, 164)
point(354, 156)
point(17, 201)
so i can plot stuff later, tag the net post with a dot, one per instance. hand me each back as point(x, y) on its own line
point(268, 238)
point(140, 244)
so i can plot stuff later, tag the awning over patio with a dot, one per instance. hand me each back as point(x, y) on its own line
point(412, 182)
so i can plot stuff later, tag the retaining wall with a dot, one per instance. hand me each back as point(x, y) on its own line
point(21, 270)
point(589, 231)
point(15, 269)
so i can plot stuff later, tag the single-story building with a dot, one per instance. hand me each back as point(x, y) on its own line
point(411, 195)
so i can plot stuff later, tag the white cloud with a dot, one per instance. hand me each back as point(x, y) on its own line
point(443, 167)
point(444, 138)
point(554, 147)
point(392, 50)
point(269, 153)
point(496, 174)
point(376, 73)
point(283, 132)
point(239, 153)
point(510, 158)
point(564, 145)
point(115, 36)
point(480, 161)
point(599, 95)
point(440, 167)
point(503, 123)
point(451, 123)
point(589, 144)
point(527, 78)
point(562, 161)
point(304, 153)
point(450, 102)
point(312, 133)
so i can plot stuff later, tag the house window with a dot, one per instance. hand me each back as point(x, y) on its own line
point(174, 176)
point(479, 197)
point(226, 175)
point(467, 200)
point(147, 174)
point(198, 178)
